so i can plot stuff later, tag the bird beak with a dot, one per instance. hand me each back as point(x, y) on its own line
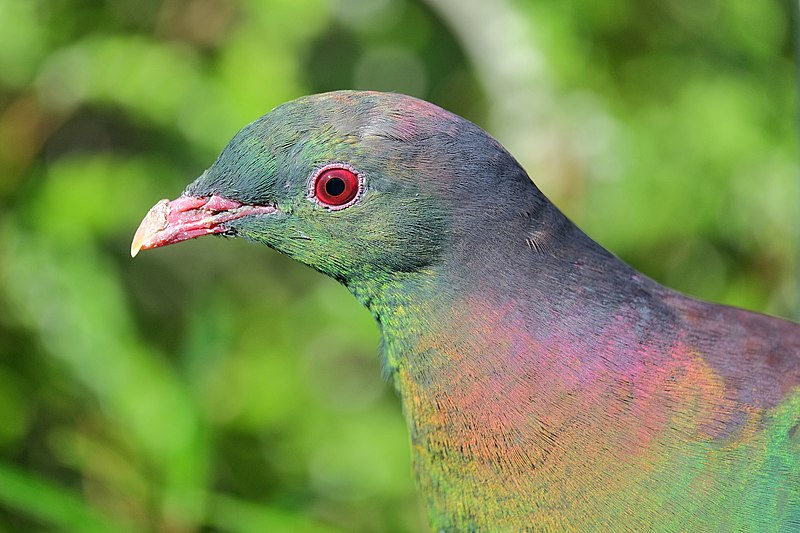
point(188, 217)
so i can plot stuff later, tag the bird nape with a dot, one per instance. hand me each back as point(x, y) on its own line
point(546, 384)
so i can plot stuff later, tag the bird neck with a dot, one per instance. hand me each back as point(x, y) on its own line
point(514, 361)
point(542, 283)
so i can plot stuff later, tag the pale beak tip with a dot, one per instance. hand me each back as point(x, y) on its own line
point(138, 241)
point(154, 221)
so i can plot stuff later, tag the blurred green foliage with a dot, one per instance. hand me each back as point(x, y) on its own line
point(219, 386)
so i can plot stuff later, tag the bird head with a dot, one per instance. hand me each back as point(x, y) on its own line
point(354, 184)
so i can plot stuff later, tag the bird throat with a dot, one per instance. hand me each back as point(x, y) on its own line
point(506, 404)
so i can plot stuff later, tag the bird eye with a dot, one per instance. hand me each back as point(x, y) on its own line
point(336, 187)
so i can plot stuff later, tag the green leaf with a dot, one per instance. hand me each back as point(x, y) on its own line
point(52, 504)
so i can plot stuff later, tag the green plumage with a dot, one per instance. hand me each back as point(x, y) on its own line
point(547, 385)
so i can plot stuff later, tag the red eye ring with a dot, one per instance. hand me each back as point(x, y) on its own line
point(336, 186)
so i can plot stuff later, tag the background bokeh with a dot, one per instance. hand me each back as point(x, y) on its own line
point(217, 386)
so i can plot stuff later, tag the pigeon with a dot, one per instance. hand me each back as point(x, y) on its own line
point(546, 384)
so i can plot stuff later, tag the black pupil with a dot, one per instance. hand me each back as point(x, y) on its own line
point(334, 186)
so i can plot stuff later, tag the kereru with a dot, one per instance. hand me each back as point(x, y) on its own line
point(547, 385)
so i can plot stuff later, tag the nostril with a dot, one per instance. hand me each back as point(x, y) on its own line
point(186, 203)
point(218, 203)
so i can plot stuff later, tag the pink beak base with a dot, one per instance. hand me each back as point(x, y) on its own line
point(188, 217)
